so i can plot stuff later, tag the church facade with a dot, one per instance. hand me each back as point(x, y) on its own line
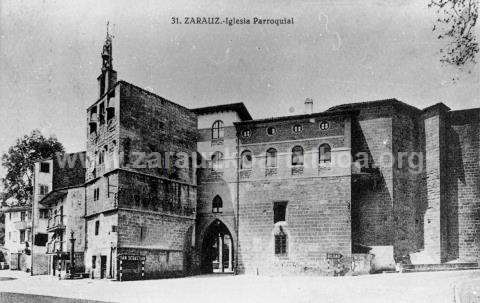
point(172, 191)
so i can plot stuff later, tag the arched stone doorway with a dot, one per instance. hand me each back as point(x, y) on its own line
point(217, 249)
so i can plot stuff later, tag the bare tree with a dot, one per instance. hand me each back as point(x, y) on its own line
point(455, 23)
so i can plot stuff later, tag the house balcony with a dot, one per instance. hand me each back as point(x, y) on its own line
point(55, 247)
point(55, 223)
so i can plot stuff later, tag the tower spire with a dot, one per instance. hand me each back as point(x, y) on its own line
point(108, 76)
point(107, 51)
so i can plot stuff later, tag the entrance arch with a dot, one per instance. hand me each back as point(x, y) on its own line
point(217, 249)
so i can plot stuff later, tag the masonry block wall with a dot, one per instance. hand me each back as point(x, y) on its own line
point(318, 220)
point(372, 193)
point(162, 131)
point(407, 162)
point(157, 183)
point(463, 186)
point(220, 182)
point(434, 225)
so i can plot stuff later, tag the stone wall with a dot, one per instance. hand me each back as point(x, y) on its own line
point(372, 188)
point(463, 186)
point(317, 223)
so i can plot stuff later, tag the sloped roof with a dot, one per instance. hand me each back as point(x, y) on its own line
point(239, 108)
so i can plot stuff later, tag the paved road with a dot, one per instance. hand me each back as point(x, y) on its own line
point(8, 297)
point(436, 287)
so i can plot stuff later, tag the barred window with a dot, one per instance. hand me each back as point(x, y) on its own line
point(281, 243)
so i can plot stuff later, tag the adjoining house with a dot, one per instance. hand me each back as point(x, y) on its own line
point(18, 241)
point(60, 198)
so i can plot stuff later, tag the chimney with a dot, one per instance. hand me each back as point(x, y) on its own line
point(309, 106)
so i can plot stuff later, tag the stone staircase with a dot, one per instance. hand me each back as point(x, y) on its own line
point(438, 267)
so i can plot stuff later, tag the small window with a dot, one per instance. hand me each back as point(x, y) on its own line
point(271, 160)
point(22, 216)
point(96, 194)
point(217, 130)
point(297, 156)
point(279, 211)
point(217, 204)
point(101, 113)
point(281, 243)
point(45, 167)
point(297, 128)
point(217, 161)
point(43, 189)
point(97, 227)
point(246, 133)
point(43, 213)
point(93, 127)
point(101, 157)
point(324, 125)
point(143, 233)
point(94, 262)
point(271, 130)
point(114, 228)
point(246, 160)
point(324, 154)
point(22, 236)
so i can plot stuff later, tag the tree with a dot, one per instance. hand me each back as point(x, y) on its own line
point(19, 161)
point(455, 23)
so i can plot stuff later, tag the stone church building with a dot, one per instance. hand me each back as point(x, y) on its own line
point(172, 191)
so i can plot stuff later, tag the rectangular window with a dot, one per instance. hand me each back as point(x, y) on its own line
point(43, 214)
point(281, 243)
point(43, 189)
point(97, 227)
point(22, 236)
point(143, 233)
point(279, 211)
point(96, 194)
point(45, 167)
point(102, 113)
point(94, 262)
point(114, 228)
point(22, 216)
point(101, 157)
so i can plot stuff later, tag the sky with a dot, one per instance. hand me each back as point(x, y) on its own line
point(335, 52)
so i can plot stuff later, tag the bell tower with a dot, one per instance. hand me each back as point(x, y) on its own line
point(108, 76)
